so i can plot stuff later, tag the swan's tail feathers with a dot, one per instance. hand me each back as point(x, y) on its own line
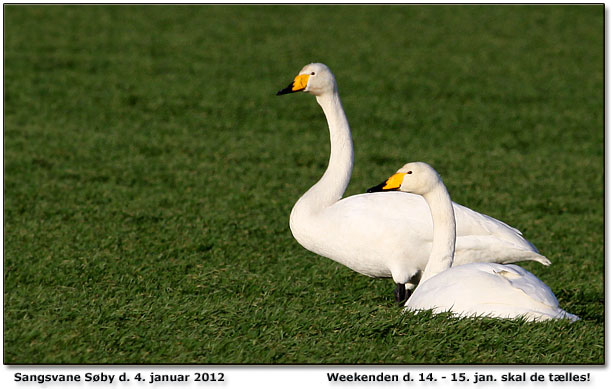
point(527, 256)
point(568, 316)
point(489, 249)
point(537, 258)
point(557, 314)
point(521, 256)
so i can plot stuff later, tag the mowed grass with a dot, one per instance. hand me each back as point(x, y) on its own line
point(149, 173)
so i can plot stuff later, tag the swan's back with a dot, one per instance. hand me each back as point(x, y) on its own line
point(412, 210)
point(488, 289)
point(380, 208)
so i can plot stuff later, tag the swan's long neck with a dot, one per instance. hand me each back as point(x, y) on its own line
point(330, 188)
point(444, 232)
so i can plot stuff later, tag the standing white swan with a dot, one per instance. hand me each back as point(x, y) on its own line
point(474, 289)
point(383, 234)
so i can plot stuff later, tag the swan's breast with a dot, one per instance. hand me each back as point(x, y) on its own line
point(367, 233)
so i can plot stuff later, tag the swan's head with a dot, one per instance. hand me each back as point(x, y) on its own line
point(414, 177)
point(314, 78)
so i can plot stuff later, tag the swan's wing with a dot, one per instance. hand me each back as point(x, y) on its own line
point(527, 282)
point(470, 222)
point(535, 288)
point(414, 210)
point(491, 248)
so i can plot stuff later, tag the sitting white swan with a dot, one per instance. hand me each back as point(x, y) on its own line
point(383, 234)
point(474, 289)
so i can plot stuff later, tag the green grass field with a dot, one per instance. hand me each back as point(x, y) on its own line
point(149, 173)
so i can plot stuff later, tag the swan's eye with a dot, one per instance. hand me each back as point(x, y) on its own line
point(312, 73)
point(409, 172)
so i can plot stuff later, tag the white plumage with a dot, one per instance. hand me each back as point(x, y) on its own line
point(383, 234)
point(488, 289)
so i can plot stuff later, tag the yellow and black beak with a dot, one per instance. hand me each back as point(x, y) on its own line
point(392, 183)
point(299, 83)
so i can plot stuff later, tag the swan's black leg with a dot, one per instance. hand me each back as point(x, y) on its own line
point(401, 293)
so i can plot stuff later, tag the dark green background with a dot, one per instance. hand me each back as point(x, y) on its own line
point(149, 172)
